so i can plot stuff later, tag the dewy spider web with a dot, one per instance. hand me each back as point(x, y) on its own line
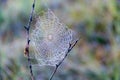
point(51, 40)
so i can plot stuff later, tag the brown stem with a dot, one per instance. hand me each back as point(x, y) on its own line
point(69, 49)
point(28, 40)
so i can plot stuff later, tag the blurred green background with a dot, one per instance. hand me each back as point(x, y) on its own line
point(95, 57)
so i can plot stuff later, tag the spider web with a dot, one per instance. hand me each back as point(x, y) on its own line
point(50, 39)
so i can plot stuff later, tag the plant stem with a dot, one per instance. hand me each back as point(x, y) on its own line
point(28, 40)
point(69, 49)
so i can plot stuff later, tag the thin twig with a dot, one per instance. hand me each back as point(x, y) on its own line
point(28, 40)
point(69, 49)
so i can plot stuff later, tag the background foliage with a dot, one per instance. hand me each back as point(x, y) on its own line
point(95, 57)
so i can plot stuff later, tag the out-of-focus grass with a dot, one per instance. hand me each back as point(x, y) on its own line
point(95, 57)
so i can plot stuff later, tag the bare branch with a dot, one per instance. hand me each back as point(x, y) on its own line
point(27, 28)
point(69, 49)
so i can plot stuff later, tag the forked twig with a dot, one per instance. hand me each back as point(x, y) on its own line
point(69, 49)
point(26, 52)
